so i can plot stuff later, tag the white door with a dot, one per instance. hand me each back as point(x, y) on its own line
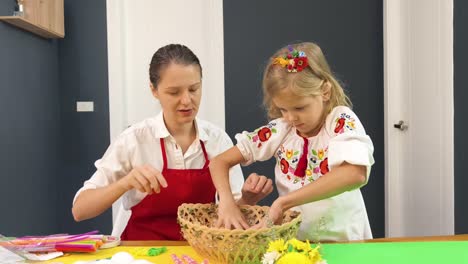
point(418, 45)
point(136, 29)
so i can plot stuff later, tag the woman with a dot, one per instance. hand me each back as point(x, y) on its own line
point(162, 162)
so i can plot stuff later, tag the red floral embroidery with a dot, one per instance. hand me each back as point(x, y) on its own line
point(344, 123)
point(264, 134)
point(324, 166)
point(339, 125)
point(284, 166)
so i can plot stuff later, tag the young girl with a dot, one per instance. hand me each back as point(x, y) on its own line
point(323, 155)
point(162, 162)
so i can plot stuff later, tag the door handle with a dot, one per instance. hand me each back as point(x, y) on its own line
point(401, 125)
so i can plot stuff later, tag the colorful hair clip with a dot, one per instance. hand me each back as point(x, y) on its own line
point(293, 61)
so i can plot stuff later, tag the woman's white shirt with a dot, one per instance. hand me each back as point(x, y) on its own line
point(140, 145)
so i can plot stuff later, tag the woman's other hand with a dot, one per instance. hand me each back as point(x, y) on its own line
point(255, 188)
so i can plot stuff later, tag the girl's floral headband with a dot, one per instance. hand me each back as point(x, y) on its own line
point(293, 61)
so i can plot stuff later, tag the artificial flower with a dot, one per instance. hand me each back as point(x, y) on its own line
point(292, 251)
point(314, 255)
point(281, 61)
point(270, 257)
point(297, 244)
point(277, 245)
point(294, 257)
point(293, 61)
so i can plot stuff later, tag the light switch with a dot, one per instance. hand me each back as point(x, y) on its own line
point(85, 106)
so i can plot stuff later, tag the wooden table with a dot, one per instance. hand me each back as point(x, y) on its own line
point(463, 237)
point(402, 250)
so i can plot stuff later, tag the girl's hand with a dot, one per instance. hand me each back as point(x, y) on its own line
point(230, 216)
point(273, 217)
point(255, 188)
point(145, 179)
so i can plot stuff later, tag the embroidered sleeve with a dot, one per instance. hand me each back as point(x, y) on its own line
point(348, 140)
point(262, 143)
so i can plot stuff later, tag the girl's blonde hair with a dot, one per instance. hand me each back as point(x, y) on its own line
point(309, 82)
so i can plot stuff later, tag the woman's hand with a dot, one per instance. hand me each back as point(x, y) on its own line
point(255, 188)
point(145, 179)
point(92, 202)
point(230, 216)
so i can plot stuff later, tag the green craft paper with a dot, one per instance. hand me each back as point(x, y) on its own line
point(450, 252)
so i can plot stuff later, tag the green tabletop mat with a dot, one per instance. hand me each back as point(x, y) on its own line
point(450, 252)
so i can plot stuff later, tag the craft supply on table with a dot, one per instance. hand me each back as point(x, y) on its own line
point(139, 253)
point(110, 242)
point(7, 256)
point(41, 248)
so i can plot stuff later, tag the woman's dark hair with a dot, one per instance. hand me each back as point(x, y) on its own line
point(172, 53)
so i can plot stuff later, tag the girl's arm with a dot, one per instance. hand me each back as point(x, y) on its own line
point(229, 214)
point(342, 178)
point(259, 145)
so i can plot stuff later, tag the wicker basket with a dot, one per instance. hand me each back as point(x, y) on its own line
point(221, 245)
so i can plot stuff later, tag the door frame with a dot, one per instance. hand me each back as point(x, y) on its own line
point(402, 18)
point(123, 31)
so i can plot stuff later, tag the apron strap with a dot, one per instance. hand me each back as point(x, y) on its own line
point(207, 161)
point(163, 151)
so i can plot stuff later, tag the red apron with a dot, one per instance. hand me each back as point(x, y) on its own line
point(155, 217)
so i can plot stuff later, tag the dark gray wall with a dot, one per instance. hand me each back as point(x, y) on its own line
point(83, 77)
point(29, 130)
point(460, 53)
point(47, 148)
point(349, 32)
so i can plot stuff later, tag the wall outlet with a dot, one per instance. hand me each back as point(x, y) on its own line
point(85, 106)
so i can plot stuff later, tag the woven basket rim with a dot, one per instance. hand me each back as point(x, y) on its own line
point(237, 245)
point(293, 221)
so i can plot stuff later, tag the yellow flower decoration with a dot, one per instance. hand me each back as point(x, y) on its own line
point(292, 251)
point(277, 245)
point(314, 255)
point(308, 172)
point(295, 243)
point(281, 61)
point(294, 257)
point(303, 246)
